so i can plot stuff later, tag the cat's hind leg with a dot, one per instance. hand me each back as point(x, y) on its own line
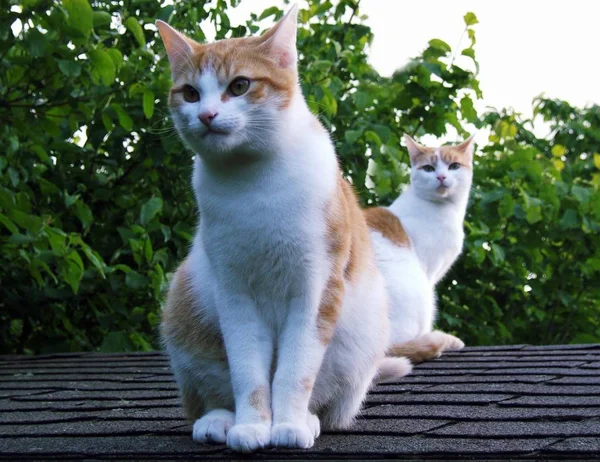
point(198, 361)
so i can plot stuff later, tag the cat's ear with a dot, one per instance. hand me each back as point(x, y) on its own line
point(178, 46)
point(414, 148)
point(280, 40)
point(467, 146)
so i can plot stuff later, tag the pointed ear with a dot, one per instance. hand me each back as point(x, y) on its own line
point(280, 40)
point(467, 146)
point(414, 148)
point(179, 47)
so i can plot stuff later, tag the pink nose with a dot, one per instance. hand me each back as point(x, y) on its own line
point(441, 178)
point(207, 117)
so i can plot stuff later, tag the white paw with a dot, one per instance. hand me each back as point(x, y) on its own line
point(248, 437)
point(292, 435)
point(391, 369)
point(213, 427)
point(314, 424)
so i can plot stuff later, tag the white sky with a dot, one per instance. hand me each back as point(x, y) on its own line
point(524, 47)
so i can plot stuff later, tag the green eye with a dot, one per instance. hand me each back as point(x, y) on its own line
point(428, 168)
point(239, 86)
point(454, 166)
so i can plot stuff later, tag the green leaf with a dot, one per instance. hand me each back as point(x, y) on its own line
point(534, 214)
point(124, 120)
point(84, 214)
point(272, 11)
point(115, 342)
point(470, 52)
point(498, 253)
point(150, 209)
point(148, 250)
point(569, 219)
point(71, 270)
point(470, 19)
point(440, 45)
point(101, 19)
point(135, 280)
point(69, 68)
point(134, 27)
point(58, 240)
point(116, 56)
point(352, 135)
point(148, 103)
point(597, 160)
point(33, 224)
point(103, 67)
point(362, 100)
point(8, 224)
point(81, 16)
point(94, 258)
point(506, 207)
point(467, 109)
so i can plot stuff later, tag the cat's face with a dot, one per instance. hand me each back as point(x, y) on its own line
point(227, 95)
point(439, 174)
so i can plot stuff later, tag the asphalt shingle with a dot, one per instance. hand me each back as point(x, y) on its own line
point(480, 403)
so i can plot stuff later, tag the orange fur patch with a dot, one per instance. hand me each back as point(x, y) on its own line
point(183, 326)
point(427, 346)
point(349, 250)
point(388, 224)
point(449, 154)
point(308, 383)
point(182, 321)
point(239, 57)
point(192, 403)
point(259, 400)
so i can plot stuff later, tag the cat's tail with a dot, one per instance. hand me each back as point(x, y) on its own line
point(426, 346)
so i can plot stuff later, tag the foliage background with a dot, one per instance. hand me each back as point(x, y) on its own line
point(91, 226)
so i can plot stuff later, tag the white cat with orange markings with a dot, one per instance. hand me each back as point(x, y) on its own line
point(279, 313)
point(416, 241)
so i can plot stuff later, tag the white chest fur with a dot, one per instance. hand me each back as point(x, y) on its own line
point(435, 230)
point(262, 225)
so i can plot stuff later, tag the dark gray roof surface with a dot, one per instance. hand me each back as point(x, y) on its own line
point(517, 402)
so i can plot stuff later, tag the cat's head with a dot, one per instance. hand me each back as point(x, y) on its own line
point(442, 173)
point(227, 95)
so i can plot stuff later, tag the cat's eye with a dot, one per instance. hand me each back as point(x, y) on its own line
point(239, 86)
point(428, 168)
point(454, 166)
point(190, 94)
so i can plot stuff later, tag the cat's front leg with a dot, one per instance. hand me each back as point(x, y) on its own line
point(302, 344)
point(249, 346)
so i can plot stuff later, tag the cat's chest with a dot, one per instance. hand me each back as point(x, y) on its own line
point(265, 242)
point(437, 244)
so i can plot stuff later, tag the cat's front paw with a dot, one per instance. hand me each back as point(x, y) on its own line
point(314, 424)
point(213, 427)
point(292, 435)
point(248, 437)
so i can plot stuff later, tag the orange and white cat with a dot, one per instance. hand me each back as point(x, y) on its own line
point(416, 241)
point(279, 312)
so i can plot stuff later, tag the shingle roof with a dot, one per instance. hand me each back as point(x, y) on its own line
point(481, 403)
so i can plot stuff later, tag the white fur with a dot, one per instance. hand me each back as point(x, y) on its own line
point(433, 220)
point(260, 264)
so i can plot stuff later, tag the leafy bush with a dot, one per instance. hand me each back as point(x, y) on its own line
point(96, 210)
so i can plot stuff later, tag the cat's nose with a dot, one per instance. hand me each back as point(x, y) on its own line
point(207, 117)
point(441, 178)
